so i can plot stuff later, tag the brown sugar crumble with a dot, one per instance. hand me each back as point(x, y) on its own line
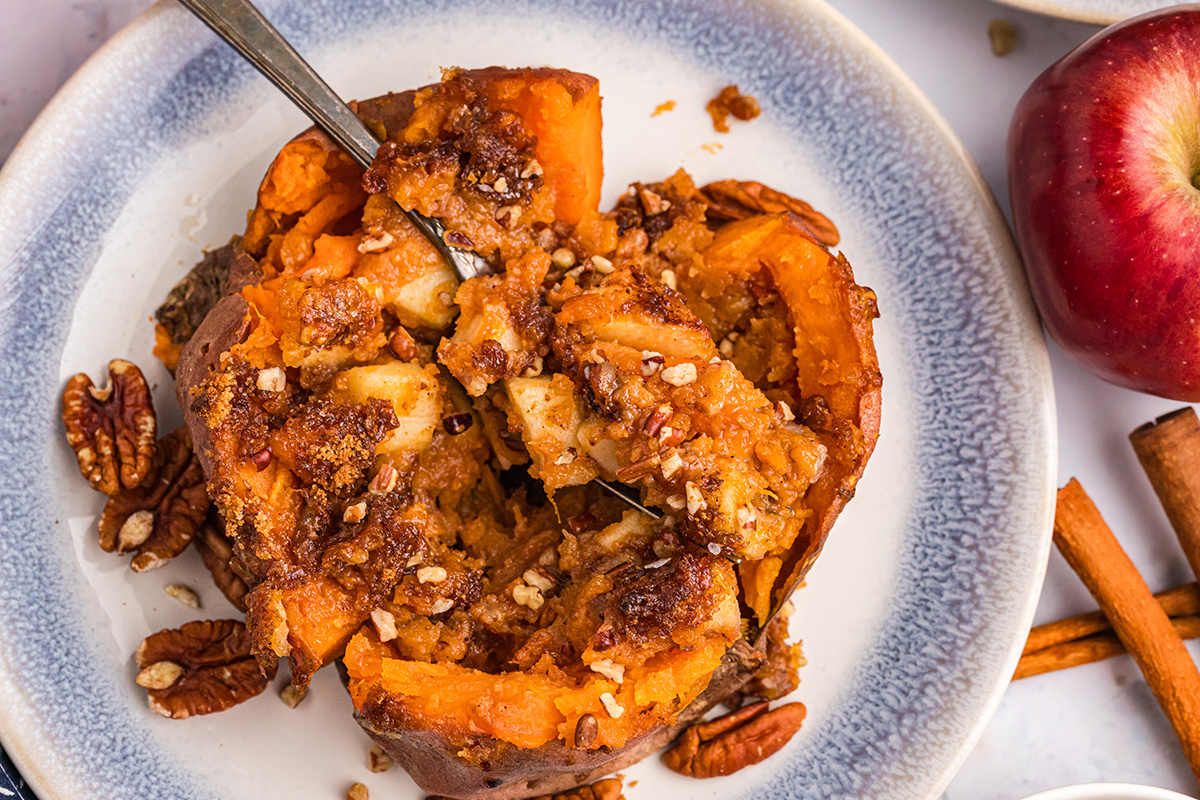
point(732, 102)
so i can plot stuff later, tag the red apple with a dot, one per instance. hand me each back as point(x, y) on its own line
point(1104, 174)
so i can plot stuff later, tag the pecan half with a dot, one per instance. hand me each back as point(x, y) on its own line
point(217, 552)
point(112, 430)
point(733, 200)
point(201, 668)
point(739, 739)
point(157, 520)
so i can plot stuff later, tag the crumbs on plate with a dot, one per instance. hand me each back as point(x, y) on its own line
point(732, 102)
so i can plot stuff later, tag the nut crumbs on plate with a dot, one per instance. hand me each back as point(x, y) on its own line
point(732, 102)
point(184, 594)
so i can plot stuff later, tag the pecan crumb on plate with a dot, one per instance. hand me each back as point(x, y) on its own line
point(1002, 35)
point(732, 102)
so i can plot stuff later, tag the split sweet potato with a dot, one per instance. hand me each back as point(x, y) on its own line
point(358, 437)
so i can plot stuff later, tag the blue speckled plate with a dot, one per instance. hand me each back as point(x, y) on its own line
point(913, 618)
point(1097, 12)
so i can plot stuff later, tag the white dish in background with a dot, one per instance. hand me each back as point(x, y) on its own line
point(1108, 791)
point(1097, 12)
point(154, 151)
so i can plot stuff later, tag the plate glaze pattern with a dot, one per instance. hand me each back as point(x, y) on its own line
point(973, 526)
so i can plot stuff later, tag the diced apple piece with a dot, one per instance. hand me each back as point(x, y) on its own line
point(594, 442)
point(641, 314)
point(492, 322)
point(420, 301)
point(634, 527)
point(414, 281)
point(470, 354)
point(549, 417)
point(414, 392)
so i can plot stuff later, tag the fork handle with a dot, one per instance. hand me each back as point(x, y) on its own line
point(245, 29)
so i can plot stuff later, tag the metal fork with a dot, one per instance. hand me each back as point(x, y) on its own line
point(244, 27)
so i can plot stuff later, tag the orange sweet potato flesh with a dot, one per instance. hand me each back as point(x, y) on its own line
point(322, 618)
point(562, 109)
point(837, 371)
point(490, 769)
point(310, 177)
point(529, 710)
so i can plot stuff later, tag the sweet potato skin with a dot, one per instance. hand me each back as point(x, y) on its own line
point(510, 773)
point(220, 330)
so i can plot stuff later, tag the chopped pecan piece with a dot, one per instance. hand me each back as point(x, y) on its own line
point(201, 668)
point(732, 101)
point(112, 430)
point(292, 697)
point(378, 760)
point(733, 200)
point(157, 520)
point(184, 594)
point(606, 789)
point(738, 739)
point(403, 345)
point(217, 552)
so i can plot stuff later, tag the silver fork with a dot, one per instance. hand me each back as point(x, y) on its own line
point(245, 29)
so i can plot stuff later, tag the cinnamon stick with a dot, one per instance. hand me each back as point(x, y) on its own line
point(1093, 552)
point(1182, 601)
point(1090, 649)
point(1169, 449)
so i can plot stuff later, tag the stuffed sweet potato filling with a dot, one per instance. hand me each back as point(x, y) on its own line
point(406, 464)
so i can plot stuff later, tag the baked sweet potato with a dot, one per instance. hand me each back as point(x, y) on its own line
point(497, 771)
point(358, 414)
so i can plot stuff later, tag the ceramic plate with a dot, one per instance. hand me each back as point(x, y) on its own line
point(1097, 12)
point(912, 619)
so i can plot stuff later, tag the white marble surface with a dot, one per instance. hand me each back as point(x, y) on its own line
point(1089, 724)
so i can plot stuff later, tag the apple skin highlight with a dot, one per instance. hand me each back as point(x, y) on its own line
point(1103, 157)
